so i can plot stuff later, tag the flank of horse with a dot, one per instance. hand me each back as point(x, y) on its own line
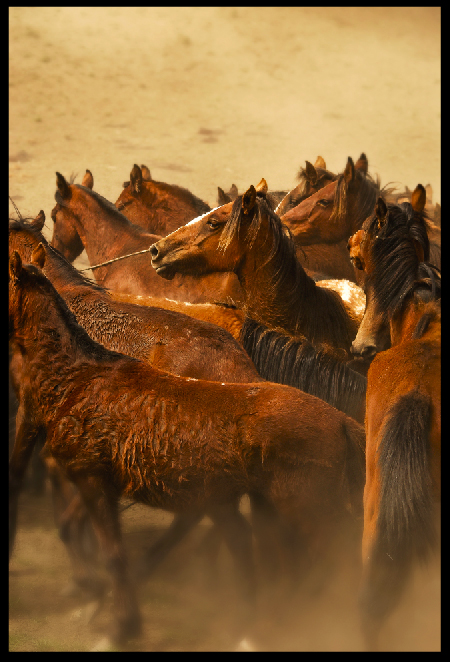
point(118, 427)
point(246, 236)
point(84, 219)
point(401, 332)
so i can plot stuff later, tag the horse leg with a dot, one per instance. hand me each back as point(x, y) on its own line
point(103, 506)
point(237, 534)
point(27, 435)
point(178, 529)
point(75, 530)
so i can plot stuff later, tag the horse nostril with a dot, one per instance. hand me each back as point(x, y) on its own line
point(368, 352)
point(153, 251)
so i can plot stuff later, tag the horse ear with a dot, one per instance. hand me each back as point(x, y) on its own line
point(136, 179)
point(249, 199)
point(38, 255)
point(233, 192)
point(38, 222)
point(349, 172)
point(320, 163)
point(362, 163)
point(15, 266)
point(381, 213)
point(146, 176)
point(222, 197)
point(418, 198)
point(310, 172)
point(262, 187)
point(63, 186)
point(88, 180)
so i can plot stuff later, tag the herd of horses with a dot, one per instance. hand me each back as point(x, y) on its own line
point(284, 345)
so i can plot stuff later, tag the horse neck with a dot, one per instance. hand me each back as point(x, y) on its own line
point(404, 324)
point(106, 234)
point(279, 294)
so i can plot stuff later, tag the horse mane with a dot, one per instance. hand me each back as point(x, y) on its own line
point(398, 272)
point(287, 269)
point(61, 265)
point(89, 347)
point(296, 362)
point(185, 194)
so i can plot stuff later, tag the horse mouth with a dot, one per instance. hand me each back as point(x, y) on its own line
point(164, 271)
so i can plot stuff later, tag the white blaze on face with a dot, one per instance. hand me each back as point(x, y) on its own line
point(198, 218)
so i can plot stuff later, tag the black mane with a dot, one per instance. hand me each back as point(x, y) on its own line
point(398, 271)
point(295, 361)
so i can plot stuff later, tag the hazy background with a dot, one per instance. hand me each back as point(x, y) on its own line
point(214, 95)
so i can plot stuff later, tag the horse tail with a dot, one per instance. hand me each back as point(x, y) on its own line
point(405, 524)
point(355, 467)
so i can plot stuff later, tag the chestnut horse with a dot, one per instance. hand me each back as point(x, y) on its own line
point(402, 329)
point(118, 427)
point(246, 236)
point(84, 219)
point(158, 207)
point(322, 223)
point(168, 340)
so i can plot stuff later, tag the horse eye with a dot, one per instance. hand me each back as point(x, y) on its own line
point(213, 223)
point(324, 203)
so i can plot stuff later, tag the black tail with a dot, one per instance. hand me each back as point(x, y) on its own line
point(295, 361)
point(405, 523)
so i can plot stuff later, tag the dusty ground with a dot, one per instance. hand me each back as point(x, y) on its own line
point(208, 97)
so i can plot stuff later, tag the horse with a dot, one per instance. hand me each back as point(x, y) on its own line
point(401, 333)
point(119, 427)
point(158, 207)
point(84, 219)
point(169, 340)
point(312, 178)
point(247, 237)
point(322, 223)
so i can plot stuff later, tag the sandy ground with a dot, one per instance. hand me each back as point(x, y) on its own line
point(207, 97)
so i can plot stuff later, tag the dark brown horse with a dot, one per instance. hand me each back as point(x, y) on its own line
point(246, 236)
point(118, 427)
point(84, 219)
point(158, 207)
point(311, 179)
point(403, 419)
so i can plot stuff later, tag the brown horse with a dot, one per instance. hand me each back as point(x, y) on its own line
point(403, 421)
point(322, 223)
point(246, 236)
point(311, 179)
point(158, 207)
point(168, 340)
point(117, 426)
point(84, 219)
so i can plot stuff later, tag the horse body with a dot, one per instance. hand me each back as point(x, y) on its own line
point(402, 329)
point(118, 427)
point(248, 238)
point(82, 218)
